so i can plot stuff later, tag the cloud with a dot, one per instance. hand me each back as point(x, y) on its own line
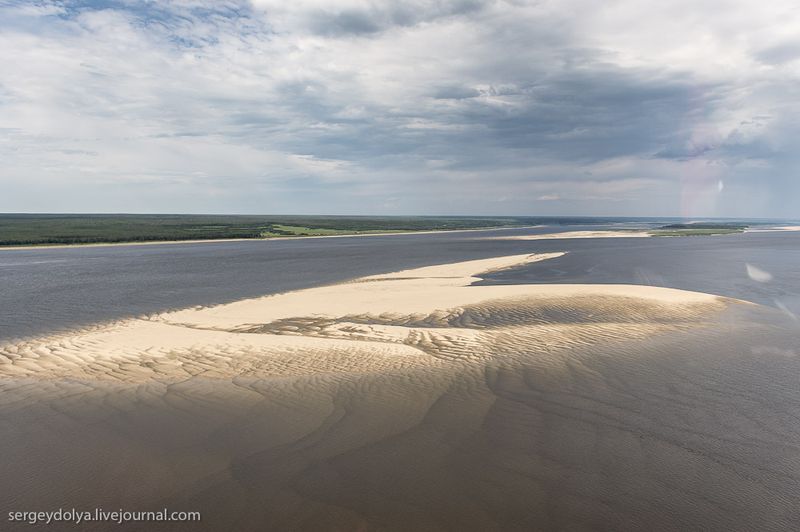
point(780, 53)
point(361, 17)
point(625, 107)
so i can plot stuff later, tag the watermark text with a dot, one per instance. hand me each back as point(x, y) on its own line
point(98, 514)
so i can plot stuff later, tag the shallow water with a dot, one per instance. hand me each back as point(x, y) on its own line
point(715, 265)
point(582, 413)
point(692, 428)
point(46, 289)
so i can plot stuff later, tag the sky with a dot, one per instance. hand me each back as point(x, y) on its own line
point(497, 107)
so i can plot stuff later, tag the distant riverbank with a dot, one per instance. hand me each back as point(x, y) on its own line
point(24, 230)
point(28, 231)
point(262, 239)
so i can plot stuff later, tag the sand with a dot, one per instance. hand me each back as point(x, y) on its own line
point(578, 234)
point(365, 325)
point(773, 229)
point(416, 400)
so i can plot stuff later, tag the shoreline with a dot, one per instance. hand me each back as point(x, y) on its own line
point(566, 234)
point(776, 229)
point(274, 238)
point(338, 404)
point(368, 324)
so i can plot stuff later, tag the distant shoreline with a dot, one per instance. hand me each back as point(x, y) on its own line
point(566, 233)
point(265, 239)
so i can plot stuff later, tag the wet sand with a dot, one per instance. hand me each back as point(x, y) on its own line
point(416, 401)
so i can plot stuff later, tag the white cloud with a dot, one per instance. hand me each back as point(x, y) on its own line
point(621, 107)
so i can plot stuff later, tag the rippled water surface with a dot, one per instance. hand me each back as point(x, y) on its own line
point(46, 289)
point(522, 412)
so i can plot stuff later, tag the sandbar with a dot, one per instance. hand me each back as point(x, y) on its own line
point(367, 324)
point(415, 400)
point(578, 234)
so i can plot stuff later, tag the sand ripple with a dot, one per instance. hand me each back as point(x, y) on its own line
point(393, 321)
point(417, 401)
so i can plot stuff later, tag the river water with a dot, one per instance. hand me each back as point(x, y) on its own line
point(43, 290)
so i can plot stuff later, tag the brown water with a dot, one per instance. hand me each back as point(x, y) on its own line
point(576, 414)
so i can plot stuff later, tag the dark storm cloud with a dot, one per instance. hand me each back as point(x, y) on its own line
point(580, 116)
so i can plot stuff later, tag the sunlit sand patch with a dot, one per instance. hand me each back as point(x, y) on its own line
point(415, 400)
point(576, 234)
point(413, 318)
point(772, 229)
